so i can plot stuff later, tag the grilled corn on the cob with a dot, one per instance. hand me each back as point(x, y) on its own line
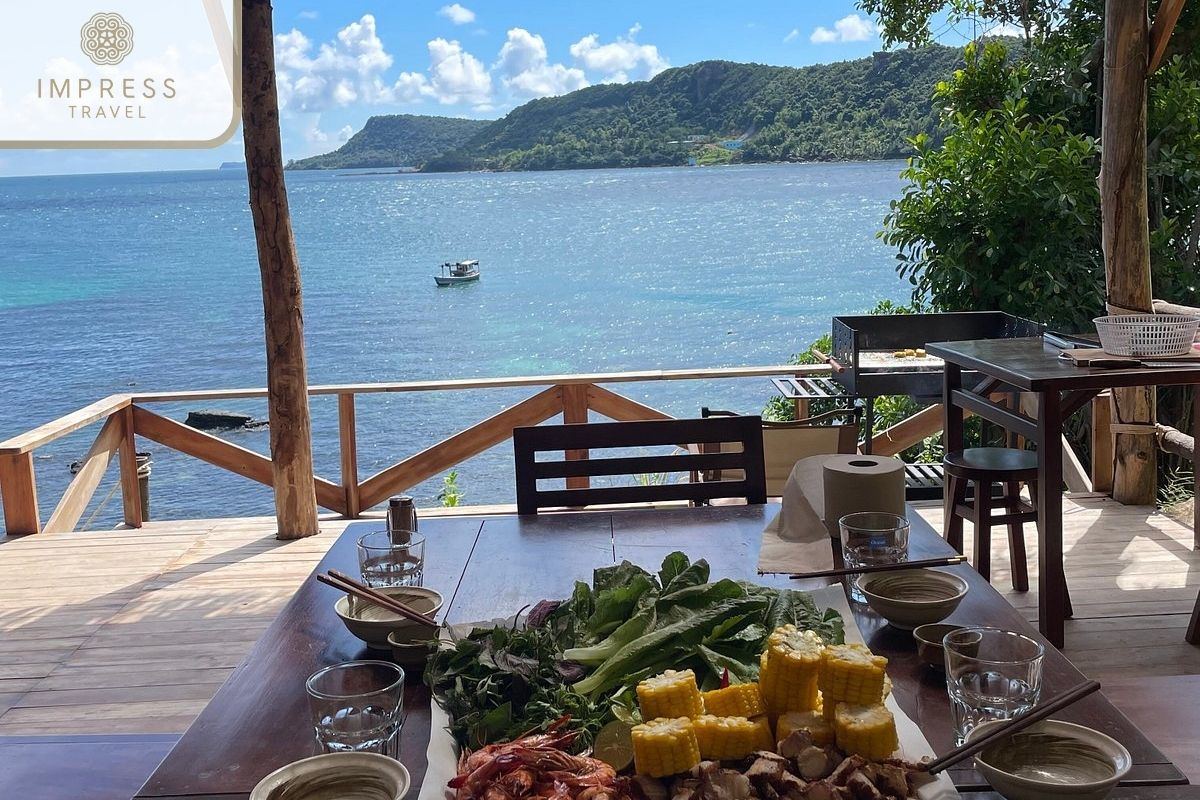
point(819, 729)
point(788, 670)
point(735, 700)
point(868, 731)
point(851, 673)
point(664, 747)
point(731, 737)
point(671, 694)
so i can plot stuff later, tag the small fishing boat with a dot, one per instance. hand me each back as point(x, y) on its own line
point(458, 272)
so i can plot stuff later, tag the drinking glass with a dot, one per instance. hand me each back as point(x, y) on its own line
point(358, 706)
point(871, 538)
point(385, 563)
point(990, 674)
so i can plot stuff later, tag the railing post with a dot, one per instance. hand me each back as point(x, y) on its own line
point(1102, 443)
point(18, 487)
point(348, 439)
point(575, 410)
point(131, 489)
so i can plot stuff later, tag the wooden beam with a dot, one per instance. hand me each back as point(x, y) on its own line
point(575, 411)
point(221, 453)
point(18, 489)
point(279, 268)
point(348, 441)
point(1160, 32)
point(908, 432)
point(69, 423)
point(1102, 443)
point(131, 490)
point(1126, 233)
point(75, 500)
point(461, 446)
point(619, 407)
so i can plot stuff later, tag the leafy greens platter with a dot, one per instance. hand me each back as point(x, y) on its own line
point(584, 656)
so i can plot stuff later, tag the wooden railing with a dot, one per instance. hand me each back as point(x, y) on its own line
point(125, 415)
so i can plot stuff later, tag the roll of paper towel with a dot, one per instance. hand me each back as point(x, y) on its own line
point(856, 483)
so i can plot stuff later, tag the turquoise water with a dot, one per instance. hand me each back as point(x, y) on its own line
point(146, 282)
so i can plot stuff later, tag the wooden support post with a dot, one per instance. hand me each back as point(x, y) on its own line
point(575, 411)
point(348, 439)
point(75, 500)
point(1126, 233)
point(1102, 443)
point(131, 490)
point(1160, 31)
point(287, 373)
point(18, 488)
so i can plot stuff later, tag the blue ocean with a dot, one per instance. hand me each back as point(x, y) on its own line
point(148, 282)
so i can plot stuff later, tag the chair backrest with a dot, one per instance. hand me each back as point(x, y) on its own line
point(688, 436)
point(785, 443)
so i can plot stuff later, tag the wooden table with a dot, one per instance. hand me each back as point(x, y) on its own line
point(494, 566)
point(1030, 365)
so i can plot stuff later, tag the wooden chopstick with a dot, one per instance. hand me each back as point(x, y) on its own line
point(837, 573)
point(350, 586)
point(1037, 714)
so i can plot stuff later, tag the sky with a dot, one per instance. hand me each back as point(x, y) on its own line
point(341, 61)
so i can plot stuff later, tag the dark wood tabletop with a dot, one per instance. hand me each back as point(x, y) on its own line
point(1032, 365)
point(493, 566)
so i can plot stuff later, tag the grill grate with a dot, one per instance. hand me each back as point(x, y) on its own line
point(810, 389)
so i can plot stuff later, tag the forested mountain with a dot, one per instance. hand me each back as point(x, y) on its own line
point(396, 140)
point(709, 112)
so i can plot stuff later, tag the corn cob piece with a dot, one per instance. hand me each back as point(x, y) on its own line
point(868, 731)
point(731, 737)
point(671, 694)
point(735, 700)
point(664, 747)
point(851, 673)
point(819, 729)
point(788, 674)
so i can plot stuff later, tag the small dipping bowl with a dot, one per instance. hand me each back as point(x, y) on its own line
point(909, 598)
point(1052, 759)
point(374, 625)
point(929, 643)
point(336, 776)
point(412, 653)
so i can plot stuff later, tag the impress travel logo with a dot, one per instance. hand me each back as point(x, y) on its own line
point(86, 79)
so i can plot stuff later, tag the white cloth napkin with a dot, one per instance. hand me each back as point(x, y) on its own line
point(796, 539)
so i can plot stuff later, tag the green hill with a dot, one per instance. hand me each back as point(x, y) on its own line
point(723, 111)
point(396, 140)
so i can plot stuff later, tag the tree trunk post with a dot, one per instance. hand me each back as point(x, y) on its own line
point(283, 313)
point(1126, 232)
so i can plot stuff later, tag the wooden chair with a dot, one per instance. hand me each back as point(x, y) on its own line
point(785, 443)
point(679, 433)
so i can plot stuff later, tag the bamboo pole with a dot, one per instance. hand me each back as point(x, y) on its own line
point(1126, 234)
point(283, 313)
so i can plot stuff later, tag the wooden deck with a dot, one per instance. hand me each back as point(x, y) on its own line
point(133, 631)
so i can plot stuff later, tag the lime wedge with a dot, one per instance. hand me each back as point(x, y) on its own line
point(614, 745)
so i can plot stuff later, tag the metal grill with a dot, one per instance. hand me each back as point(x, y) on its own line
point(811, 389)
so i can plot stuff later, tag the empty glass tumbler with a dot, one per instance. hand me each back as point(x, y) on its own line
point(872, 538)
point(358, 706)
point(990, 674)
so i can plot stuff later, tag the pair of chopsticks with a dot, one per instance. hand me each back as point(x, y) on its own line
point(1051, 706)
point(348, 585)
point(837, 573)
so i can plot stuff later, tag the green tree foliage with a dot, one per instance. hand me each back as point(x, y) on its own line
point(396, 140)
point(863, 109)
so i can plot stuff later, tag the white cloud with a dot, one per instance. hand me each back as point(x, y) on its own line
point(525, 68)
point(308, 14)
point(1006, 29)
point(345, 133)
point(619, 60)
point(348, 69)
point(851, 28)
point(792, 35)
point(456, 76)
point(457, 14)
point(315, 134)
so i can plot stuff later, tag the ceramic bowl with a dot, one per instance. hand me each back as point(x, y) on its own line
point(929, 643)
point(412, 654)
point(373, 624)
point(908, 598)
point(1052, 759)
point(336, 776)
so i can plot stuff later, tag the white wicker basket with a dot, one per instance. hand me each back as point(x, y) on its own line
point(1147, 335)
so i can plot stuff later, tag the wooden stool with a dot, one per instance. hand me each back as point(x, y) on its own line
point(985, 466)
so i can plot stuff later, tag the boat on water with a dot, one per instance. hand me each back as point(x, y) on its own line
point(458, 272)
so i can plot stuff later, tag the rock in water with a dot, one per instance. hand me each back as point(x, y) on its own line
point(217, 420)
